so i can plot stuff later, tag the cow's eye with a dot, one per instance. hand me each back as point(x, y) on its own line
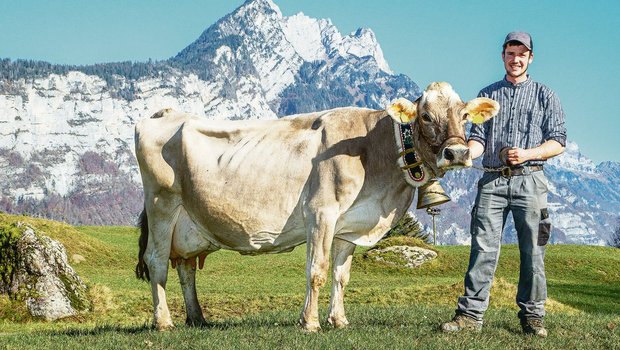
point(426, 117)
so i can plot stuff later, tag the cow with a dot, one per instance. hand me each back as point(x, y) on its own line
point(330, 179)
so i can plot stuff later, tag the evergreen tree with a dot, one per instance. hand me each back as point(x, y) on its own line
point(409, 226)
point(614, 240)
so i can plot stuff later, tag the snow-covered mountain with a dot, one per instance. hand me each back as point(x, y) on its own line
point(66, 133)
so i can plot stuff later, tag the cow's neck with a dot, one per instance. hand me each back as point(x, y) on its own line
point(413, 167)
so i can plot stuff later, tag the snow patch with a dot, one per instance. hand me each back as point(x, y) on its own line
point(304, 33)
point(223, 52)
point(363, 43)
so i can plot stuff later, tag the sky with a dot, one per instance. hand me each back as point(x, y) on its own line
point(575, 43)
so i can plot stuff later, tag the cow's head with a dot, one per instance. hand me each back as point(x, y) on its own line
point(439, 118)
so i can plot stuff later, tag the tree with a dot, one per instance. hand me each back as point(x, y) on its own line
point(614, 240)
point(409, 226)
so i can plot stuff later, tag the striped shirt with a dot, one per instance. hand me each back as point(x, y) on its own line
point(530, 114)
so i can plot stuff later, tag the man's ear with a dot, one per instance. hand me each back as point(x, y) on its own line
point(481, 109)
point(403, 111)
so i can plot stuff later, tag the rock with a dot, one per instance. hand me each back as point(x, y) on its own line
point(42, 277)
point(77, 258)
point(402, 255)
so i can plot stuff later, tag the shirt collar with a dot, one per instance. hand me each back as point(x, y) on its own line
point(528, 81)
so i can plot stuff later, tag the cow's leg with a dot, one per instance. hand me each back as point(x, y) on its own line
point(319, 243)
point(187, 277)
point(156, 258)
point(342, 255)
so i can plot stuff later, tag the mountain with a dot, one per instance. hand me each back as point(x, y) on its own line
point(66, 145)
point(66, 132)
point(291, 64)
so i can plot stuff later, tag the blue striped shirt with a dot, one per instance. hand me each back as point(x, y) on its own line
point(530, 114)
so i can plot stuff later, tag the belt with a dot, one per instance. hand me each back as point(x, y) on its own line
point(517, 171)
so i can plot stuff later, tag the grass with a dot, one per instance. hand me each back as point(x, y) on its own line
point(254, 301)
point(403, 327)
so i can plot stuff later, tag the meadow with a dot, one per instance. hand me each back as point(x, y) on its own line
point(254, 302)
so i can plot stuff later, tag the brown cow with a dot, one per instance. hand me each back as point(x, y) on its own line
point(329, 178)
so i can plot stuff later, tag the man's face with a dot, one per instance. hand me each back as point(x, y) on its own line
point(516, 60)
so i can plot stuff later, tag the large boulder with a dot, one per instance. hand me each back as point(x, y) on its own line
point(34, 269)
point(402, 255)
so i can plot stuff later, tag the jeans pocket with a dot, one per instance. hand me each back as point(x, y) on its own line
point(544, 227)
point(472, 223)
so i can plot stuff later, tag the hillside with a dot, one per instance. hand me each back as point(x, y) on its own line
point(584, 283)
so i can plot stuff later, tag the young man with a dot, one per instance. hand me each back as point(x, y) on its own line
point(528, 130)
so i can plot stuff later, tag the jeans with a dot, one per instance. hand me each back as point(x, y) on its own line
point(526, 197)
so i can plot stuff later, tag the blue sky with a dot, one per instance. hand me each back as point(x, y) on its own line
point(575, 43)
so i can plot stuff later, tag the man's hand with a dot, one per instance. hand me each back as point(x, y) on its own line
point(515, 156)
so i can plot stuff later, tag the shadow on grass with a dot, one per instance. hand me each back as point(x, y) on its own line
point(386, 317)
point(251, 322)
point(99, 330)
point(425, 319)
point(591, 298)
point(281, 322)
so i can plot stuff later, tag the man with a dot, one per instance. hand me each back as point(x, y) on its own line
point(528, 130)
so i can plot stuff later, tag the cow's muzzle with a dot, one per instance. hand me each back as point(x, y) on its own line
point(454, 157)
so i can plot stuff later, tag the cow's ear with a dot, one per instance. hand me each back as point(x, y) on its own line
point(481, 109)
point(402, 110)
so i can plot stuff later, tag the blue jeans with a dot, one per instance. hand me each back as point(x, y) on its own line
point(526, 197)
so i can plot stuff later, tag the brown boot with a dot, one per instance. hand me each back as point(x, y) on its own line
point(534, 326)
point(461, 322)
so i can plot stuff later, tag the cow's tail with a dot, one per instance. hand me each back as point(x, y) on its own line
point(142, 271)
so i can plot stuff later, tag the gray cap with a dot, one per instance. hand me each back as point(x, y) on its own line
point(522, 37)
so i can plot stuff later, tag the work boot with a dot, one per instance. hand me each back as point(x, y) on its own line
point(534, 326)
point(461, 322)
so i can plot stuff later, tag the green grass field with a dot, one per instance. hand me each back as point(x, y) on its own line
point(254, 302)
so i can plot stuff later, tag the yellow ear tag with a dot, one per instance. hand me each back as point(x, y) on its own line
point(399, 111)
point(477, 118)
point(404, 117)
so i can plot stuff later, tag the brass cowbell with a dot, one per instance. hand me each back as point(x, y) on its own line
point(431, 194)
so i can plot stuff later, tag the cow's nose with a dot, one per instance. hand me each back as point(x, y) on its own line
point(459, 154)
point(448, 154)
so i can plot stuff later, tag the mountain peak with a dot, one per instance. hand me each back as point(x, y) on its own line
point(263, 6)
point(277, 45)
point(306, 36)
point(364, 32)
point(573, 159)
point(362, 43)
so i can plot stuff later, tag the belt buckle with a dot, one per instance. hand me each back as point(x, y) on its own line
point(506, 172)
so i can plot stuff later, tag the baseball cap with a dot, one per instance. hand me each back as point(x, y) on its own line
point(522, 37)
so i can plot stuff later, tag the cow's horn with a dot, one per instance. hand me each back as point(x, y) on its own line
point(431, 194)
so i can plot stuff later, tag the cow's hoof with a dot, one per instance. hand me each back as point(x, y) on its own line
point(338, 322)
point(310, 327)
point(164, 327)
point(196, 323)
